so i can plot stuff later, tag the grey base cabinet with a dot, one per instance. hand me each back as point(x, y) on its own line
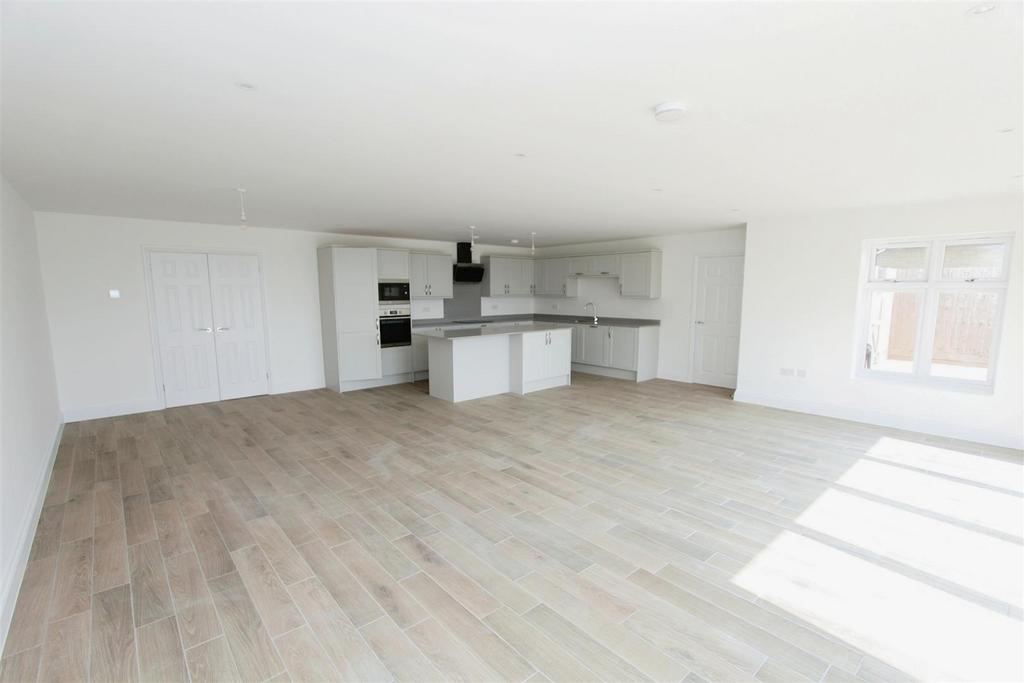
point(625, 352)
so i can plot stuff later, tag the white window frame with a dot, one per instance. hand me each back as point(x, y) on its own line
point(930, 289)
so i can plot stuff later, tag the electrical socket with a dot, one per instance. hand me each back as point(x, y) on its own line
point(786, 372)
point(800, 372)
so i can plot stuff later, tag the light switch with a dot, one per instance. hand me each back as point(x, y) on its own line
point(115, 294)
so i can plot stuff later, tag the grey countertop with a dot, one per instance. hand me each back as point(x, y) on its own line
point(541, 317)
point(490, 330)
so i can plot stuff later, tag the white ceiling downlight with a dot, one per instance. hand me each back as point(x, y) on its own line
point(669, 111)
point(983, 8)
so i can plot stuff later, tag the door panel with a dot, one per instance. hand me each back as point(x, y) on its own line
point(607, 264)
point(717, 320)
point(181, 291)
point(594, 345)
point(534, 356)
point(418, 277)
point(527, 276)
point(623, 348)
point(559, 353)
point(439, 273)
point(634, 278)
point(238, 324)
point(356, 313)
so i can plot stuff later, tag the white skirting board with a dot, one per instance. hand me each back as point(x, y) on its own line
point(604, 372)
point(16, 572)
point(936, 427)
point(355, 385)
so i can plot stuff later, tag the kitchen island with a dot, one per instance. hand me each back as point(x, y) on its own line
point(484, 361)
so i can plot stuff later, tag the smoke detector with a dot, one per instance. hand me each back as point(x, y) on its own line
point(669, 111)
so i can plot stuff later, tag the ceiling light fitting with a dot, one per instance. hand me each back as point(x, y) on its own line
point(513, 241)
point(241, 204)
point(669, 111)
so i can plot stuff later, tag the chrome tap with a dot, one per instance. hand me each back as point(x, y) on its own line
point(591, 303)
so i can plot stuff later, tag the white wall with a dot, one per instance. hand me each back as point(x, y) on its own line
point(30, 418)
point(102, 347)
point(674, 308)
point(799, 311)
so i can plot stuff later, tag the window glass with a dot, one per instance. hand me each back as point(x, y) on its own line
point(900, 264)
point(892, 330)
point(963, 334)
point(968, 262)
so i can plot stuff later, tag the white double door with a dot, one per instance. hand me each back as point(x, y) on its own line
point(716, 325)
point(209, 316)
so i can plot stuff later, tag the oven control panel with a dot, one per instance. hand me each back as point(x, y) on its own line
point(395, 310)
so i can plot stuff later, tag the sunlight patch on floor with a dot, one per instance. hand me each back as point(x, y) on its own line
point(950, 608)
point(985, 564)
point(981, 506)
point(924, 631)
point(990, 471)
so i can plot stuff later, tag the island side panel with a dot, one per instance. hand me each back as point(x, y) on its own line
point(480, 366)
point(441, 377)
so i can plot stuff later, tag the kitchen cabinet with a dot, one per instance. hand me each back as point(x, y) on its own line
point(640, 275)
point(581, 265)
point(595, 345)
point(621, 348)
point(506, 276)
point(616, 351)
point(552, 277)
point(430, 276)
point(349, 313)
point(598, 265)
point(392, 264)
point(546, 355)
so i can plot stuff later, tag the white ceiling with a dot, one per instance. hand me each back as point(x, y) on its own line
point(409, 119)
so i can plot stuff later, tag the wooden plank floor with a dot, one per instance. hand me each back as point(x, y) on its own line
point(607, 531)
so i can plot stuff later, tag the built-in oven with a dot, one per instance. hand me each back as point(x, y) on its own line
point(395, 325)
point(388, 292)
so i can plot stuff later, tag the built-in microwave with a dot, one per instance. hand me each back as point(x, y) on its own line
point(392, 292)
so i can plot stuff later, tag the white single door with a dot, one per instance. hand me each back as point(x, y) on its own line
point(716, 325)
point(184, 319)
point(356, 312)
point(238, 325)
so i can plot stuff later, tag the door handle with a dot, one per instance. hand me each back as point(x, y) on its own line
point(223, 329)
point(698, 322)
point(204, 329)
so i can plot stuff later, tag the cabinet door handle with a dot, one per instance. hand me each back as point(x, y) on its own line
point(204, 329)
point(223, 329)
